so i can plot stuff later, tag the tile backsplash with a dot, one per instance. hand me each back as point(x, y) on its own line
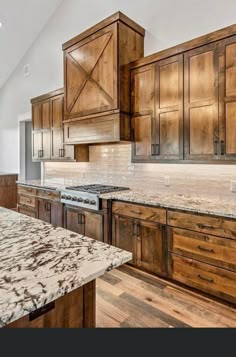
point(111, 164)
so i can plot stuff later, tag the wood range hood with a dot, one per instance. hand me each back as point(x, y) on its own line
point(97, 81)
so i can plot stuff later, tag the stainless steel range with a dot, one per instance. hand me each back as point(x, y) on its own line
point(87, 196)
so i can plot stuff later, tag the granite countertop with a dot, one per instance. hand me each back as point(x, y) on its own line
point(40, 263)
point(179, 201)
point(42, 184)
point(190, 203)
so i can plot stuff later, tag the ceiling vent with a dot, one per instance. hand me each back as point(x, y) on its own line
point(26, 70)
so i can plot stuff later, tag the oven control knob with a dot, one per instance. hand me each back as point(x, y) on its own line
point(86, 201)
point(74, 198)
point(63, 197)
point(79, 199)
point(68, 197)
point(93, 202)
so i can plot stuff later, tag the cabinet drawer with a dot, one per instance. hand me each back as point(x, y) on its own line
point(213, 280)
point(26, 212)
point(218, 226)
point(141, 212)
point(27, 190)
point(27, 200)
point(50, 195)
point(206, 248)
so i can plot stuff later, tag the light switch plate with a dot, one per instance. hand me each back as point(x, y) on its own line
point(233, 186)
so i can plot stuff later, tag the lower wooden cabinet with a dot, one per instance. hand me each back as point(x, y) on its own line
point(85, 222)
point(123, 235)
point(145, 240)
point(205, 277)
point(150, 246)
point(27, 212)
point(51, 212)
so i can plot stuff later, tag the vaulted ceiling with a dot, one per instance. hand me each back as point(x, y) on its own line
point(22, 21)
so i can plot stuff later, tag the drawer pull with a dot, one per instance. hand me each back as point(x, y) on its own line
point(205, 249)
point(205, 226)
point(205, 279)
point(136, 212)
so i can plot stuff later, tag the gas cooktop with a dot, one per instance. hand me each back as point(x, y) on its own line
point(87, 196)
point(98, 189)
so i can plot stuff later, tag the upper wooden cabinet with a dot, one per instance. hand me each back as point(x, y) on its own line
point(184, 102)
point(201, 103)
point(97, 80)
point(48, 134)
point(157, 103)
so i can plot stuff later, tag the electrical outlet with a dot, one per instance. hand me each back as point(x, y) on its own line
point(26, 70)
point(167, 180)
point(233, 186)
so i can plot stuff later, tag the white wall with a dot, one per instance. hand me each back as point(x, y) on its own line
point(168, 22)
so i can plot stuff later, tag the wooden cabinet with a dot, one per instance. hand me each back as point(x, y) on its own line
point(50, 212)
point(40, 203)
point(151, 252)
point(202, 252)
point(88, 223)
point(48, 130)
point(201, 103)
point(97, 80)
point(227, 99)
point(145, 239)
point(184, 102)
point(157, 107)
point(123, 235)
point(8, 191)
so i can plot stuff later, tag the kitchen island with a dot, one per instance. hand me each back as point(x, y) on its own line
point(47, 274)
point(8, 190)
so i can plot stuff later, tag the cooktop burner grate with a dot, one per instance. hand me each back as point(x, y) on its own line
point(98, 189)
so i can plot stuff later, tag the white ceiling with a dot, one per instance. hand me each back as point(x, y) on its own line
point(22, 21)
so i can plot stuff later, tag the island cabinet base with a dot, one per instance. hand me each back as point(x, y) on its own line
point(73, 310)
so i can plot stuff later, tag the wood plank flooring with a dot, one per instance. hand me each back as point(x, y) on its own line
point(129, 299)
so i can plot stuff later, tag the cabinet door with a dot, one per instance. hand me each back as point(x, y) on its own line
point(44, 210)
point(169, 108)
point(91, 74)
point(57, 150)
point(73, 220)
point(46, 145)
point(93, 225)
point(143, 123)
point(123, 235)
point(37, 145)
point(37, 116)
point(46, 114)
point(201, 103)
point(227, 96)
point(151, 250)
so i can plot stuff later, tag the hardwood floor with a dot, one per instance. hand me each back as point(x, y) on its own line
point(132, 300)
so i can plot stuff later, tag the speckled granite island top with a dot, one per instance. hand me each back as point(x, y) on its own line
point(178, 201)
point(40, 263)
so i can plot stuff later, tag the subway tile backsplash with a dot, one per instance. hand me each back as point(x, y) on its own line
point(111, 164)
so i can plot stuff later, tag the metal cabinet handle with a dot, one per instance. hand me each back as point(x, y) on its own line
point(81, 218)
point(157, 149)
point(153, 150)
point(205, 226)
point(136, 212)
point(43, 310)
point(216, 147)
point(205, 279)
point(61, 152)
point(205, 249)
point(222, 147)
